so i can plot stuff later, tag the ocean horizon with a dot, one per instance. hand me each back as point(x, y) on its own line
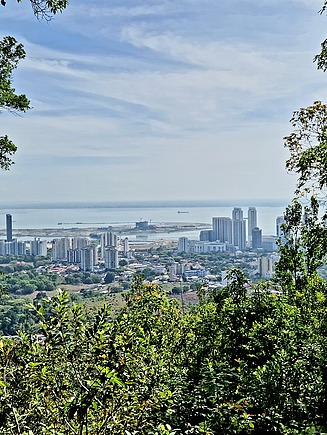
point(276, 202)
point(106, 215)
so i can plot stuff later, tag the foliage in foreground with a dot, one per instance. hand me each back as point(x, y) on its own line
point(235, 364)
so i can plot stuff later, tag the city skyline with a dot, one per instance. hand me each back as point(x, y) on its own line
point(147, 101)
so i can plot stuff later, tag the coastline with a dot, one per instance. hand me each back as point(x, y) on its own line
point(122, 230)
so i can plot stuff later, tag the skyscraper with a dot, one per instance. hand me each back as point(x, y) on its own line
point(222, 229)
point(252, 222)
point(239, 234)
point(60, 248)
point(87, 258)
point(237, 214)
point(256, 238)
point(239, 228)
point(38, 247)
point(126, 247)
point(111, 258)
point(107, 240)
point(9, 227)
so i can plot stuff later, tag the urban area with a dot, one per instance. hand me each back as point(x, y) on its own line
point(107, 260)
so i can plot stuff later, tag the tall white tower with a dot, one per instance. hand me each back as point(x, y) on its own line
point(239, 228)
point(107, 240)
point(87, 258)
point(111, 258)
point(252, 222)
point(222, 229)
point(60, 248)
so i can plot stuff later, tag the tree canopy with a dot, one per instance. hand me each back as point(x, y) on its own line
point(308, 149)
point(11, 53)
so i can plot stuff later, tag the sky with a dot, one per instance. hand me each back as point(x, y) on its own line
point(160, 100)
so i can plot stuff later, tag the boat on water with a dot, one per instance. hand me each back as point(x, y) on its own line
point(182, 211)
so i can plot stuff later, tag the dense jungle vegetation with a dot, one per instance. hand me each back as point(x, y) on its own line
point(237, 363)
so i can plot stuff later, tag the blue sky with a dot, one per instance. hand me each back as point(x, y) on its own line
point(158, 99)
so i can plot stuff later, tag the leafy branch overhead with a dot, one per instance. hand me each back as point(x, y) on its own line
point(321, 58)
point(44, 8)
point(307, 145)
point(11, 52)
point(7, 149)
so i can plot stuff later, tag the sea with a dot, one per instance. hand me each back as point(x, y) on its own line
point(111, 214)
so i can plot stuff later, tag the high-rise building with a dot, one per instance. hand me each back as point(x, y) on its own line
point(256, 238)
point(111, 258)
point(107, 240)
point(38, 247)
point(237, 214)
point(239, 228)
point(9, 227)
point(280, 220)
point(239, 234)
point(60, 248)
point(79, 242)
point(125, 243)
point(15, 248)
point(12, 248)
point(87, 258)
point(183, 244)
point(206, 236)
point(252, 222)
point(74, 256)
point(222, 229)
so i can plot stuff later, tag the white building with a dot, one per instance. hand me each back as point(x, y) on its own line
point(60, 248)
point(202, 247)
point(107, 240)
point(239, 234)
point(183, 244)
point(79, 242)
point(125, 245)
point(222, 229)
point(38, 247)
point(111, 258)
point(252, 222)
point(87, 258)
point(12, 248)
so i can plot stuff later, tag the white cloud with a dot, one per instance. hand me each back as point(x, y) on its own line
point(187, 99)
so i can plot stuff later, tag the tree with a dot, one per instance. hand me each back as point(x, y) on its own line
point(123, 263)
point(305, 231)
point(109, 278)
point(321, 58)
point(307, 145)
point(11, 52)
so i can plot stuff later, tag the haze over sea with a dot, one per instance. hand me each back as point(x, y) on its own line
point(67, 215)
